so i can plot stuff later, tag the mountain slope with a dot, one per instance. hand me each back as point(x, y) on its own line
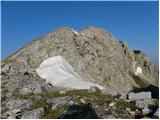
point(94, 54)
point(41, 79)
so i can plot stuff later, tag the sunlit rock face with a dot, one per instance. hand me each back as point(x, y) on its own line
point(94, 54)
point(58, 72)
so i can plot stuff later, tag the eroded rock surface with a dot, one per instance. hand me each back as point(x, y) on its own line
point(94, 54)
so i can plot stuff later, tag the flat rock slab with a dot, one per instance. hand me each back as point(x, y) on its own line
point(141, 104)
point(139, 96)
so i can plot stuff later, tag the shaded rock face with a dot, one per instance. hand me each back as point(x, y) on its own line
point(94, 54)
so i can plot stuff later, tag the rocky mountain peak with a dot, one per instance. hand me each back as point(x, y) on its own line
point(65, 59)
point(92, 52)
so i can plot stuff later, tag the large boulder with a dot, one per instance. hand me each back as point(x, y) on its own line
point(139, 96)
point(141, 104)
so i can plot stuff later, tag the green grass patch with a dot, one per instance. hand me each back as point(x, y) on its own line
point(38, 103)
point(122, 105)
point(85, 94)
point(89, 97)
point(48, 112)
point(18, 95)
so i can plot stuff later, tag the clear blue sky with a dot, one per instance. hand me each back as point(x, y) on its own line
point(134, 22)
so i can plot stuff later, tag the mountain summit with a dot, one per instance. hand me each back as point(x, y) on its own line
point(94, 54)
point(69, 59)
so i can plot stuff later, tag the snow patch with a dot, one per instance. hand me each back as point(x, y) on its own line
point(138, 71)
point(75, 32)
point(58, 72)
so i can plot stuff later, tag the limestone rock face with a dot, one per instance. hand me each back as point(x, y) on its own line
point(149, 70)
point(94, 54)
point(34, 114)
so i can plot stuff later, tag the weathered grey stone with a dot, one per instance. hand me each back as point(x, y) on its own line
point(38, 89)
point(25, 90)
point(10, 114)
point(19, 103)
point(34, 114)
point(141, 104)
point(140, 96)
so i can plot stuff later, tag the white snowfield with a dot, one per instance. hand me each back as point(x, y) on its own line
point(75, 32)
point(138, 70)
point(58, 72)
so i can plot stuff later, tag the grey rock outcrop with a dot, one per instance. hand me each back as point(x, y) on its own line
point(34, 114)
point(141, 104)
point(150, 71)
point(139, 96)
point(18, 104)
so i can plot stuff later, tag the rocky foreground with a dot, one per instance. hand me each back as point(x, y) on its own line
point(35, 101)
point(96, 77)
